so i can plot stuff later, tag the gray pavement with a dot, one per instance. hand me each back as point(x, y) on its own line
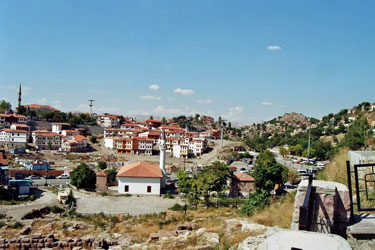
point(134, 205)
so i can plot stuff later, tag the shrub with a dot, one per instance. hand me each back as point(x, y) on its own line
point(257, 200)
point(56, 209)
point(168, 195)
point(32, 197)
point(177, 207)
point(93, 139)
point(17, 225)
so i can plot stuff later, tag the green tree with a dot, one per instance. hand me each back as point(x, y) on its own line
point(111, 173)
point(102, 165)
point(356, 135)
point(283, 151)
point(21, 110)
point(5, 106)
point(163, 120)
point(83, 176)
point(256, 201)
point(268, 173)
point(93, 139)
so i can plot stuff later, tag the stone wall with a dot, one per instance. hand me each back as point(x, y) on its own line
point(38, 241)
point(331, 207)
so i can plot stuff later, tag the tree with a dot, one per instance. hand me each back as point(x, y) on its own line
point(4, 106)
point(111, 173)
point(21, 110)
point(151, 117)
point(356, 135)
point(83, 176)
point(257, 200)
point(102, 165)
point(163, 120)
point(211, 178)
point(268, 173)
point(283, 151)
point(93, 139)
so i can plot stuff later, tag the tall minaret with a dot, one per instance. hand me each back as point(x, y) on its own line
point(19, 97)
point(162, 148)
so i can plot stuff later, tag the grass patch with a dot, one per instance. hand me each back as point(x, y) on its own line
point(278, 213)
point(336, 169)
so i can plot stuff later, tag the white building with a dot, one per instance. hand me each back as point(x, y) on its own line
point(139, 178)
point(59, 127)
point(47, 141)
point(13, 138)
point(108, 120)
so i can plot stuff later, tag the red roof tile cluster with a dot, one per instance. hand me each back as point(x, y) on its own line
point(244, 177)
point(101, 174)
point(39, 106)
point(79, 138)
point(8, 130)
point(141, 170)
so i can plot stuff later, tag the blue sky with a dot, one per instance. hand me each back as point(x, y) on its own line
point(247, 61)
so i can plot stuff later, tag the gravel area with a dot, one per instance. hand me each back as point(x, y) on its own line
point(134, 205)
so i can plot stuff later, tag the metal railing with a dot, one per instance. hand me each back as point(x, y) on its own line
point(306, 211)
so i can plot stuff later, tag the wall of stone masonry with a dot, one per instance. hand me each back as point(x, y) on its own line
point(331, 210)
point(38, 241)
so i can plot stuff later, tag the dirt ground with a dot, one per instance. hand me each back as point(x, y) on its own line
point(134, 205)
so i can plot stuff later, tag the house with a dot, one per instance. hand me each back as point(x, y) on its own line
point(47, 141)
point(4, 170)
point(210, 134)
point(154, 123)
point(108, 120)
point(59, 127)
point(74, 143)
point(70, 132)
point(241, 185)
point(139, 178)
point(42, 108)
point(13, 138)
point(8, 119)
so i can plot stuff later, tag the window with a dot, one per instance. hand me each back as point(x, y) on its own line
point(148, 189)
point(126, 188)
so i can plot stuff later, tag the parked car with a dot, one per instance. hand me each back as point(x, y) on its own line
point(50, 177)
point(64, 176)
point(20, 176)
point(32, 177)
point(320, 165)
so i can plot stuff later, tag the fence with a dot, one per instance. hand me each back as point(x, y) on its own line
point(307, 209)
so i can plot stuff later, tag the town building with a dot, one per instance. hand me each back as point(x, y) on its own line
point(139, 178)
point(58, 127)
point(41, 108)
point(74, 143)
point(47, 141)
point(6, 120)
point(241, 185)
point(108, 120)
point(13, 138)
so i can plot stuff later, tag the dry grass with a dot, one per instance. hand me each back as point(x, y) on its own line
point(279, 213)
point(336, 169)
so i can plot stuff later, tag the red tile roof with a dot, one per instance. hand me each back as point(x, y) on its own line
point(14, 130)
point(2, 160)
point(140, 170)
point(38, 106)
point(79, 138)
point(101, 174)
point(50, 134)
point(244, 177)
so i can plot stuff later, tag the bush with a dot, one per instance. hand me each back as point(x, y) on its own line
point(17, 225)
point(2, 223)
point(102, 165)
point(93, 139)
point(83, 176)
point(256, 201)
point(177, 207)
point(56, 209)
point(32, 197)
point(168, 195)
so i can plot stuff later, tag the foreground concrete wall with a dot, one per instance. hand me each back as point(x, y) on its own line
point(331, 210)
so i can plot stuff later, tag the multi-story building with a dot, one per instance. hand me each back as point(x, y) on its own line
point(75, 143)
point(8, 119)
point(43, 108)
point(108, 120)
point(13, 138)
point(47, 141)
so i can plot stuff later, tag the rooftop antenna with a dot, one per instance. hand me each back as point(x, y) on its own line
point(91, 105)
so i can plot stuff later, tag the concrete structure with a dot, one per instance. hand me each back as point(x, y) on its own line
point(47, 141)
point(108, 120)
point(139, 178)
point(361, 157)
point(288, 239)
point(101, 182)
point(59, 127)
point(75, 143)
point(331, 210)
point(162, 147)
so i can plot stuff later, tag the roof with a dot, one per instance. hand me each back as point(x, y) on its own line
point(140, 170)
point(61, 123)
point(21, 125)
point(79, 138)
point(155, 133)
point(71, 131)
point(39, 106)
point(50, 134)
point(102, 174)
point(153, 121)
point(13, 115)
point(13, 130)
point(244, 177)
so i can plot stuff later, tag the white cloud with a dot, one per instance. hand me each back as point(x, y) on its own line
point(150, 97)
point(234, 112)
point(43, 100)
point(208, 101)
point(154, 87)
point(267, 103)
point(184, 91)
point(274, 47)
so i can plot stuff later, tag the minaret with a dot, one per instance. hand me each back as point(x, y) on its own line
point(162, 147)
point(19, 97)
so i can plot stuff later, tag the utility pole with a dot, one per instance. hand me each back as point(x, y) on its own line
point(91, 105)
point(308, 148)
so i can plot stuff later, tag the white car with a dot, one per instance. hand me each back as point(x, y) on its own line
point(63, 176)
